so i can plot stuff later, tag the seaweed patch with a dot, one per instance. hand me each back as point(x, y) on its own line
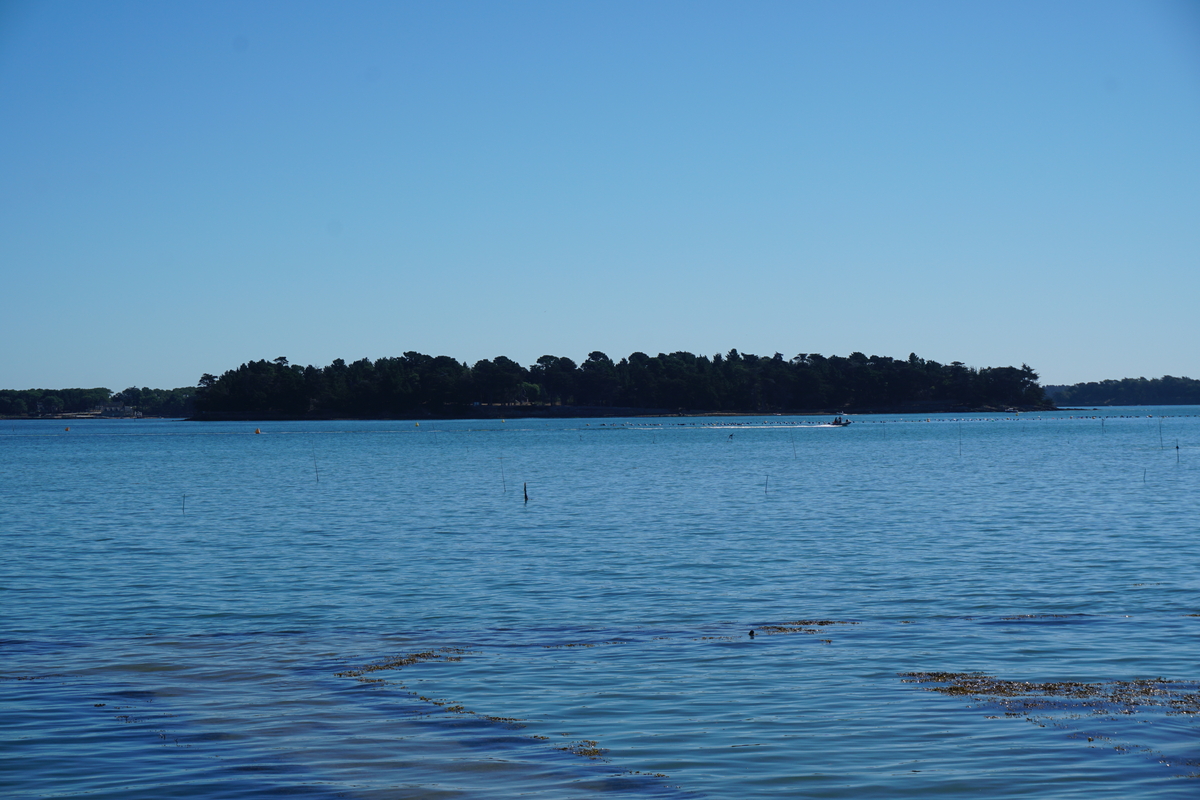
point(573, 644)
point(1101, 703)
point(588, 748)
point(802, 626)
point(397, 662)
point(1122, 697)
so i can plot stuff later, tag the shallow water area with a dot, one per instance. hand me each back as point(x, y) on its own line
point(374, 609)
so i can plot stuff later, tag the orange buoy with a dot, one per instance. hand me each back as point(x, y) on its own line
point(257, 430)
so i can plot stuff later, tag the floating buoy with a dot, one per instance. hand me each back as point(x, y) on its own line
point(502, 420)
point(417, 424)
point(67, 428)
point(257, 430)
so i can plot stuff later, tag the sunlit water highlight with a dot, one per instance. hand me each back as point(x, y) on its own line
point(372, 610)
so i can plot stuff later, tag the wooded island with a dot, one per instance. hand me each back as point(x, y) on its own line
point(418, 385)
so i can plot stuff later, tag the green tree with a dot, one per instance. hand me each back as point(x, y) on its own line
point(598, 380)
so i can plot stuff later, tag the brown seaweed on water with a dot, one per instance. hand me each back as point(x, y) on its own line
point(1102, 699)
point(801, 626)
point(587, 748)
point(1105, 697)
point(397, 662)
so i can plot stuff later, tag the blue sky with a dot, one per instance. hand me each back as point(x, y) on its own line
point(188, 186)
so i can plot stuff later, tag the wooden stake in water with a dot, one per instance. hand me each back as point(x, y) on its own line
point(792, 436)
point(315, 470)
point(766, 484)
point(503, 482)
point(525, 488)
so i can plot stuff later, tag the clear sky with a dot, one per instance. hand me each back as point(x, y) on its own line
point(185, 186)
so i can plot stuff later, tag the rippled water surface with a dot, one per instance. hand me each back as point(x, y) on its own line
point(984, 607)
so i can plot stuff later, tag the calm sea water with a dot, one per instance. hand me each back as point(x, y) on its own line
point(373, 609)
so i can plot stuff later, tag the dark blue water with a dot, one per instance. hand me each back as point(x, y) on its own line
point(373, 610)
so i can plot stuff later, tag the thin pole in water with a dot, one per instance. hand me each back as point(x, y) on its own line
point(792, 436)
point(1176, 451)
point(183, 507)
point(960, 440)
point(315, 470)
point(1143, 475)
point(766, 484)
point(503, 482)
point(525, 488)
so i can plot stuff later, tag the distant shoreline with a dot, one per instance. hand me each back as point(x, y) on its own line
point(513, 414)
point(490, 413)
point(602, 412)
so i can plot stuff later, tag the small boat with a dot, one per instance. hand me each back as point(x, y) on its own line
point(840, 422)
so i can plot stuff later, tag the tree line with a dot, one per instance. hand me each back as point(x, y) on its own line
point(50, 402)
point(1165, 391)
point(416, 384)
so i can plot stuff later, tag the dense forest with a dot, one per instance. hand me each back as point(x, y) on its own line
point(34, 402)
point(102, 402)
point(420, 385)
point(1164, 391)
